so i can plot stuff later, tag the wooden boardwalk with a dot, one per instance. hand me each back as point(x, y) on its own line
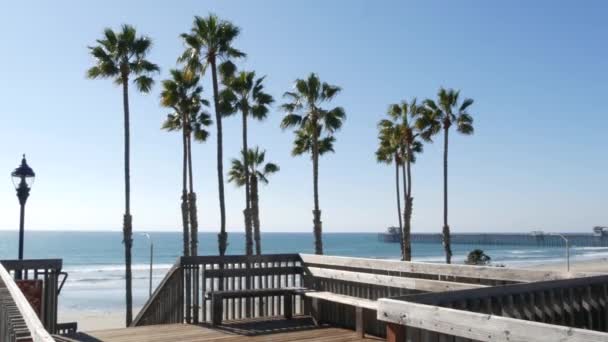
point(278, 330)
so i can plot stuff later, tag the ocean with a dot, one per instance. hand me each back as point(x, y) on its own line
point(95, 260)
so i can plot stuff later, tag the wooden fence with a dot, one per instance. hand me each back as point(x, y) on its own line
point(374, 279)
point(18, 321)
point(349, 292)
point(47, 270)
point(181, 296)
point(557, 310)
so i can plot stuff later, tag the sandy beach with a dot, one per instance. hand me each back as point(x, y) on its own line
point(599, 265)
point(90, 320)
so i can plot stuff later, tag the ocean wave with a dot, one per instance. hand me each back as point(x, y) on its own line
point(590, 248)
point(596, 255)
point(114, 268)
point(107, 279)
point(526, 251)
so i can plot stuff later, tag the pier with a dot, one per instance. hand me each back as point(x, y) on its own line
point(503, 239)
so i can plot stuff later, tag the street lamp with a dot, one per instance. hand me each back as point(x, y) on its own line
point(538, 232)
point(567, 249)
point(23, 179)
point(151, 258)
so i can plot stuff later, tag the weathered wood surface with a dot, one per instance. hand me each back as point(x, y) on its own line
point(300, 329)
point(575, 303)
point(242, 273)
point(344, 292)
point(166, 305)
point(18, 321)
point(506, 290)
point(439, 270)
point(218, 297)
point(478, 326)
point(423, 285)
point(47, 270)
point(342, 299)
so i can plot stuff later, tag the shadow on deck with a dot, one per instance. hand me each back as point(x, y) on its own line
point(277, 330)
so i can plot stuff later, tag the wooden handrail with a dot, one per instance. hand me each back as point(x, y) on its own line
point(34, 326)
point(156, 295)
point(47, 270)
point(501, 291)
point(55, 264)
point(229, 259)
point(471, 325)
point(423, 268)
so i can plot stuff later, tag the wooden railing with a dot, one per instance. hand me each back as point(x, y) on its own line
point(210, 273)
point(181, 295)
point(47, 270)
point(485, 275)
point(346, 291)
point(18, 321)
point(166, 305)
point(374, 279)
point(569, 309)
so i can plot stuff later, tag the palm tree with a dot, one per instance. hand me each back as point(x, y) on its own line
point(244, 93)
point(120, 55)
point(258, 172)
point(404, 132)
point(441, 115)
point(389, 152)
point(211, 39)
point(314, 130)
point(183, 95)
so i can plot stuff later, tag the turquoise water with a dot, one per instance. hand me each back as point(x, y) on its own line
point(94, 260)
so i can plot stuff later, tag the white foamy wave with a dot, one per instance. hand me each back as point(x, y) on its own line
point(527, 251)
point(590, 248)
point(114, 268)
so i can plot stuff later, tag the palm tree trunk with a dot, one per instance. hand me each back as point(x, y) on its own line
point(127, 219)
point(255, 213)
point(222, 237)
point(317, 228)
point(398, 200)
point(446, 228)
point(403, 232)
point(247, 211)
point(407, 230)
point(192, 204)
point(184, 205)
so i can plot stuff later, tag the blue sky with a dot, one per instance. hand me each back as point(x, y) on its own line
point(537, 71)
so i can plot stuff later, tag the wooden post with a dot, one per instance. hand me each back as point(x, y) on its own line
point(287, 307)
point(359, 326)
point(314, 310)
point(395, 332)
point(217, 307)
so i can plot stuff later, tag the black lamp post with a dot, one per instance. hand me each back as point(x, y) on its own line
point(23, 179)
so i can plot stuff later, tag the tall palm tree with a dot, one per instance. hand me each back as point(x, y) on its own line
point(257, 172)
point(314, 130)
point(183, 95)
point(244, 93)
point(120, 56)
point(389, 152)
point(210, 40)
point(402, 127)
point(442, 115)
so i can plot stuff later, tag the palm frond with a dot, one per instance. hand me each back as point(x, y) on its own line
point(144, 83)
point(290, 120)
point(326, 145)
point(236, 174)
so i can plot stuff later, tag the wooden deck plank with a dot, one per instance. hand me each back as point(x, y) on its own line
point(300, 329)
